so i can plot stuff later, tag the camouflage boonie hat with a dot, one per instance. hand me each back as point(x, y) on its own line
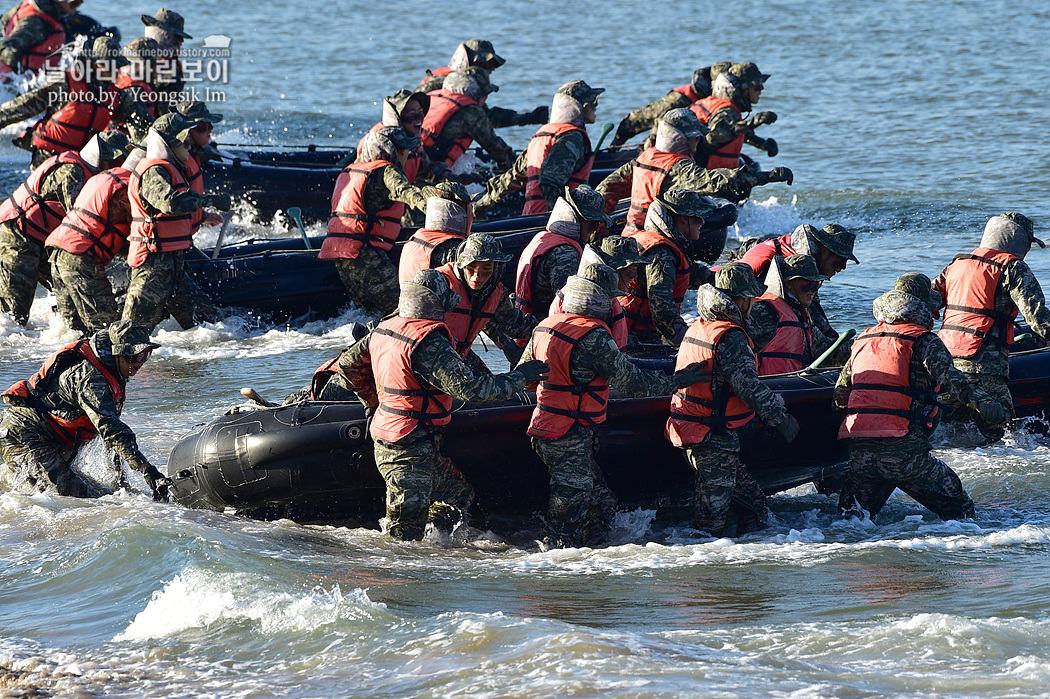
point(142, 49)
point(107, 49)
point(481, 247)
point(719, 67)
point(919, 286)
point(685, 121)
point(171, 22)
point(480, 50)
point(837, 239)
point(112, 145)
point(623, 252)
point(737, 280)
point(686, 202)
point(481, 77)
point(453, 191)
point(748, 74)
point(1026, 225)
point(399, 138)
point(804, 266)
point(587, 203)
point(129, 337)
point(604, 277)
point(581, 91)
point(196, 111)
point(173, 127)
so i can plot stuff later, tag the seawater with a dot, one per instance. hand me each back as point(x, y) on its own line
point(911, 122)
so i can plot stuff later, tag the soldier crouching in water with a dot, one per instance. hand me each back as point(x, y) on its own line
point(78, 394)
point(406, 372)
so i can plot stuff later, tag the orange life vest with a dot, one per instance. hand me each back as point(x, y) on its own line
point(465, 322)
point(617, 319)
point(352, 226)
point(84, 115)
point(791, 348)
point(970, 316)
point(418, 250)
point(688, 91)
point(415, 158)
point(529, 263)
point(651, 168)
point(44, 53)
point(536, 154)
point(636, 303)
point(561, 402)
point(79, 430)
point(729, 154)
point(155, 231)
point(443, 106)
point(404, 403)
point(883, 402)
point(437, 72)
point(33, 215)
point(125, 81)
point(695, 410)
point(195, 179)
point(759, 257)
point(88, 226)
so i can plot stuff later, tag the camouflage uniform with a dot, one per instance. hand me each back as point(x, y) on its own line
point(27, 34)
point(83, 292)
point(1018, 288)
point(723, 483)
point(23, 260)
point(581, 504)
point(473, 122)
point(35, 457)
point(764, 320)
point(878, 465)
point(422, 482)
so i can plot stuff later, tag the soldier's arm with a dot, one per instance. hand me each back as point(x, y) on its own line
point(1027, 295)
point(478, 127)
point(930, 350)
point(558, 265)
point(762, 324)
point(598, 350)
point(398, 188)
point(501, 117)
point(617, 185)
point(504, 184)
point(736, 362)
point(28, 33)
point(63, 184)
point(724, 125)
point(659, 283)
point(645, 118)
point(34, 102)
point(87, 388)
point(843, 386)
point(567, 155)
point(516, 322)
point(735, 184)
point(436, 362)
point(355, 366)
point(156, 190)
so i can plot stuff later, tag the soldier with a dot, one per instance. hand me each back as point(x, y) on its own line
point(367, 205)
point(91, 234)
point(888, 389)
point(682, 97)
point(36, 208)
point(480, 54)
point(584, 361)
point(553, 255)
point(164, 212)
point(558, 156)
point(457, 118)
point(406, 372)
point(781, 327)
point(34, 32)
point(76, 395)
point(732, 93)
point(140, 76)
point(669, 164)
point(407, 109)
point(203, 120)
point(449, 216)
point(167, 28)
point(484, 303)
point(706, 415)
point(983, 292)
point(654, 302)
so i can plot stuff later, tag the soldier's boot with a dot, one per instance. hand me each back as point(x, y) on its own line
point(445, 517)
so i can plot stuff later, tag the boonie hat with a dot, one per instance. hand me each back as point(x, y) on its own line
point(837, 239)
point(802, 266)
point(686, 202)
point(129, 337)
point(112, 145)
point(1026, 224)
point(580, 91)
point(685, 121)
point(481, 247)
point(604, 277)
point(623, 252)
point(106, 48)
point(196, 112)
point(173, 127)
point(737, 280)
point(748, 74)
point(919, 286)
point(171, 22)
point(480, 50)
point(587, 203)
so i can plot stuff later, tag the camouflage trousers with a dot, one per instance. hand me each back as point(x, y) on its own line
point(22, 264)
point(83, 291)
point(724, 486)
point(998, 388)
point(160, 287)
point(878, 466)
point(36, 460)
point(422, 484)
point(371, 280)
point(581, 504)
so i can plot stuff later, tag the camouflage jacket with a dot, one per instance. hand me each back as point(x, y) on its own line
point(155, 190)
point(763, 321)
point(560, 263)
point(733, 184)
point(659, 280)
point(435, 363)
point(30, 32)
point(725, 125)
point(567, 155)
point(515, 322)
point(645, 118)
point(62, 184)
point(473, 122)
point(131, 108)
point(392, 186)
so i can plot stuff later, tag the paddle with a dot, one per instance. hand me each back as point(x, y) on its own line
point(226, 218)
point(296, 213)
point(607, 127)
point(250, 393)
point(831, 350)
